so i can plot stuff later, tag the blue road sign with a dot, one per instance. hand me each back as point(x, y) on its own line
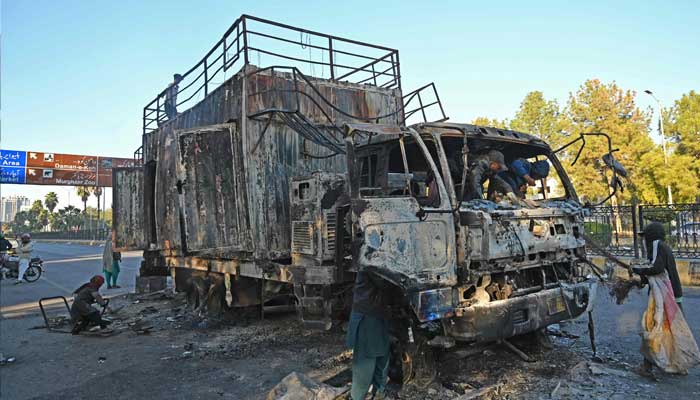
point(13, 175)
point(13, 158)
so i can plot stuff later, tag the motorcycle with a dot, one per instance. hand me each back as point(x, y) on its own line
point(10, 267)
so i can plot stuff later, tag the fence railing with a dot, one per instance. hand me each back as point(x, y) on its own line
point(84, 234)
point(252, 40)
point(615, 227)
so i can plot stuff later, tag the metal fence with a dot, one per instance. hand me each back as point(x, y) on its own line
point(614, 227)
point(84, 234)
point(252, 40)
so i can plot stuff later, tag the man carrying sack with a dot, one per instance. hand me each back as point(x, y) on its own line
point(667, 341)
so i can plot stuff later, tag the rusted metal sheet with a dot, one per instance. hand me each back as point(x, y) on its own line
point(261, 160)
point(348, 102)
point(127, 208)
point(400, 246)
point(213, 189)
point(269, 169)
point(166, 202)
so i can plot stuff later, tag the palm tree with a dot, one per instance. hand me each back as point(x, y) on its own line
point(84, 192)
point(97, 191)
point(51, 201)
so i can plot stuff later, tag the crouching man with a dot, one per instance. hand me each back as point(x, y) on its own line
point(82, 312)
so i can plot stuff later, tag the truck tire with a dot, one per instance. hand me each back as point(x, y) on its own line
point(414, 363)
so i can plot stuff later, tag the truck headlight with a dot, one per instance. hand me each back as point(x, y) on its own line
point(432, 304)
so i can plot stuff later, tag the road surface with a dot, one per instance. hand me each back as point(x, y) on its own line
point(66, 266)
point(243, 361)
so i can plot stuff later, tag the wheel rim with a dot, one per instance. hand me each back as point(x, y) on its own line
point(32, 274)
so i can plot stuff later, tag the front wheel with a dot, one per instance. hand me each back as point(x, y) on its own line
point(33, 273)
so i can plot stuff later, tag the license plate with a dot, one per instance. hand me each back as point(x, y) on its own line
point(556, 305)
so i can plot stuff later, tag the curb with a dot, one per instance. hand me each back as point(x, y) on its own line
point(69, 241)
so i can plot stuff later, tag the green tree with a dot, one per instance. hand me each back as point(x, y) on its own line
point(494, 123)
point(683, 124)
point(37, 207)
point(68, 218)
point(51, 201)
point(43, 219)
point(599, 107)
point(540, 117)
point(84, 193)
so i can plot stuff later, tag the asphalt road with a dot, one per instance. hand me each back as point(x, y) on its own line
point(142, 366)
point(66, 266)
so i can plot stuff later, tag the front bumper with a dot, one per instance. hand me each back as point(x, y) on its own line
point(502, 319)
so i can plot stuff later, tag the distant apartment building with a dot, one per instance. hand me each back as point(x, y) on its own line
point(10, 206)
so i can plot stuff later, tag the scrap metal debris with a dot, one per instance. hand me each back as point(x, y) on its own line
point(296, 386)
point(620, 288)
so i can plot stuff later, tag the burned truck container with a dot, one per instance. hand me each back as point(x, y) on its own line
point(274, 186)
point(230, 186)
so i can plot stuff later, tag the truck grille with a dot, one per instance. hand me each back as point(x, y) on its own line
point(330, 232)
point(302, 234)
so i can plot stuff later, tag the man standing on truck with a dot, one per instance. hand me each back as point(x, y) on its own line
point(368, 336)
point(522, 172)
point(486, 166)
point(171, 97)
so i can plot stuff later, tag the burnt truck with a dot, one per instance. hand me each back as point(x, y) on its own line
point(272, 187)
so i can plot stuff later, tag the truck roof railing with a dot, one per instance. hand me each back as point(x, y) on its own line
point(253, 40)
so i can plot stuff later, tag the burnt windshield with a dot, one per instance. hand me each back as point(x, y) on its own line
point(531, 171)
point(393, 169)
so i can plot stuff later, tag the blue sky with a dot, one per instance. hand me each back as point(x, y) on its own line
point(76, 74)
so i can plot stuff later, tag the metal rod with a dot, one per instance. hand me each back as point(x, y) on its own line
point(330, 57)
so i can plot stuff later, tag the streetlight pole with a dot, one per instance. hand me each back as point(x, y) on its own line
point(663, 139)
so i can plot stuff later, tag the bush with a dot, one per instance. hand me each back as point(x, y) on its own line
point(599, 232)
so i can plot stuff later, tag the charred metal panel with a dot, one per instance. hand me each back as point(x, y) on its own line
point(127, 208)
point(502, 319)
point(313, 212)
point(214, 189)
point(398, 245)
point(167, 209)
point(271, 161)
point(357, 102)
point(540, 234)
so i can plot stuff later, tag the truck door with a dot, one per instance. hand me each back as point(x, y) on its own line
point(212, 190)
point(402, 220)
point(128, 209)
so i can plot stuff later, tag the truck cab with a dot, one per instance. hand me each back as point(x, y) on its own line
point(479, 270)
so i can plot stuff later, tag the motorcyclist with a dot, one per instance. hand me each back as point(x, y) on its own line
point(5, 246)
point(24, 252)
point(82, 312)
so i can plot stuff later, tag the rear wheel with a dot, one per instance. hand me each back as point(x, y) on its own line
point(414, 363)
point(33, 273)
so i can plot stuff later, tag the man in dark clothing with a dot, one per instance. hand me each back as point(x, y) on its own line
point(5, 244)
point(486, 167)
point(82, 311)
point(171, 97)
point(368, 336)
point(522, 172)
point(662, 261)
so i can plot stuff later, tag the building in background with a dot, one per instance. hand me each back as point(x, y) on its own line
point(10, 206)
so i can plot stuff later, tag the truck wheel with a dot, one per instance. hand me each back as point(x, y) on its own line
point(413, 363)
point(196, 293)
point(216, 296)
